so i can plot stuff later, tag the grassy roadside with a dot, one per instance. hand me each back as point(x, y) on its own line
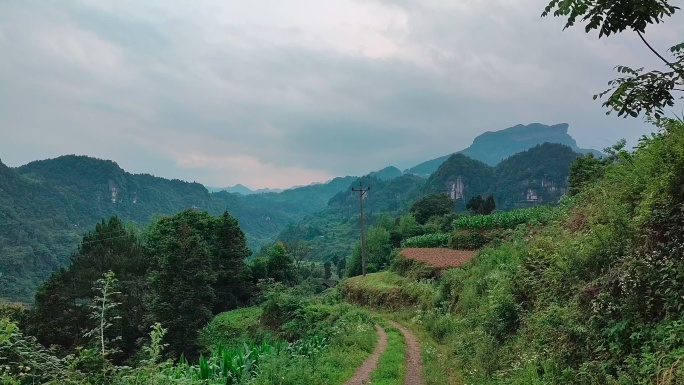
point(391, 368)
point(336, 363)
point(438, 367)
point(438, 364)
point(391, 296)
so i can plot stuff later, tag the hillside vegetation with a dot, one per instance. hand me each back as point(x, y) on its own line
point(588, 292)
point(594, 296)
point(333, 232)
point(46, 206)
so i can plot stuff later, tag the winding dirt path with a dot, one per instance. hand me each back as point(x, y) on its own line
point(414, 363)
point(363, 373)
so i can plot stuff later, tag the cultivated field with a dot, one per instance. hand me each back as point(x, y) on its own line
point(439, 257)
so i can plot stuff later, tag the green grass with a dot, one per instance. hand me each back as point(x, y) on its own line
point(386, 290)
point(378, 281)
point(438, 364)
point(232, 326)
point(391, 368)
point(352, 343)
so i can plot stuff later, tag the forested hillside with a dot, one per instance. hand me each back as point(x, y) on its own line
point(46, 206)
point(533, 177)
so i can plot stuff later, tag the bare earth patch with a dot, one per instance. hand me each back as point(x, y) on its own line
point(363, 373)
point(414, 363)
point(441, 258)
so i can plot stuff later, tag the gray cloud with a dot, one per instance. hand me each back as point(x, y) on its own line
point(273, 93)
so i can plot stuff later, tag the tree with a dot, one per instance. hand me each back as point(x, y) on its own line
point(408, 226)
point(327, 272)
point(299, 251)
point(182, 281)
point(432, 205)
point(340, 266)
point(638, 91)
point(378, 251)
point(489, 205)
point(482, 206)
point(229, 250)
point(197, 270)
point(583, 171)
point(386, 221)
point(279, 263)
point(61, 303)
point(475, 204)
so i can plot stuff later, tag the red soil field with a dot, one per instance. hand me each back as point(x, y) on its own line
point(442, 258)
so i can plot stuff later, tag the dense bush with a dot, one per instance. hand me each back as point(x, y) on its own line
point(467, 240)
point(411, 268)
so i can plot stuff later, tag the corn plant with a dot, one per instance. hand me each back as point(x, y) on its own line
point(507, 219)
point(309, 348)
point(223, 365)
point(427, 240)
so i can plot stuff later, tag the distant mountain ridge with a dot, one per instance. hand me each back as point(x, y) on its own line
point(531, 177)
point(47, 205)
point(492, 147)
point(387, 173)
point(244, 190)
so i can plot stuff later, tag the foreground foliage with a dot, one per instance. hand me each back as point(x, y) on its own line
point(638, 91)
point(303, 339)
point(593, 297)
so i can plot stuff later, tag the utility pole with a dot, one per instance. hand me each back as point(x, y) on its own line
point(362, 191)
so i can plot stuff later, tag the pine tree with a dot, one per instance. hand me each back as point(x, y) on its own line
point(60, 309)
point(489, 205)
point(229, 253)
point(181, 282)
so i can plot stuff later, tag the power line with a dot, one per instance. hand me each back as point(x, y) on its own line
point(362, 191)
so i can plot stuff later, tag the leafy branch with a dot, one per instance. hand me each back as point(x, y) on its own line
point(639, 91)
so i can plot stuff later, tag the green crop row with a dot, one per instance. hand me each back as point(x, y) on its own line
point(427, 240)
point(507, 219)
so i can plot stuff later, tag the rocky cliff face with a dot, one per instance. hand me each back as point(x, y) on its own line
point(493, 147)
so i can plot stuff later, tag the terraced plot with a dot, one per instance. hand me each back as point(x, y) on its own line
point(439, 257)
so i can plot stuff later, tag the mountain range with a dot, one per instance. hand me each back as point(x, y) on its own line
point(47, 205)
point(244, 190)
point(492, 147)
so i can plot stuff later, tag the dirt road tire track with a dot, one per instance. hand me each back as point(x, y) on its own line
point(363, 373)
point(414, 362)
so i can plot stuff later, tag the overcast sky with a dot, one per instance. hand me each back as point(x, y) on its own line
point(280, 93)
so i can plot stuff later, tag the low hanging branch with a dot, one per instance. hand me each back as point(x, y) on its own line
point(639, 91)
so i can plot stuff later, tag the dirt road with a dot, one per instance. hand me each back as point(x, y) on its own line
point(363, 373)
point(414, 363)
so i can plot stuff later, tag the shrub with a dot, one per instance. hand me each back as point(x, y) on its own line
point(467, 240)
point(411, 268)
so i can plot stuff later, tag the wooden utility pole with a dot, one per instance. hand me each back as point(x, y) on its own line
point(362, 191)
